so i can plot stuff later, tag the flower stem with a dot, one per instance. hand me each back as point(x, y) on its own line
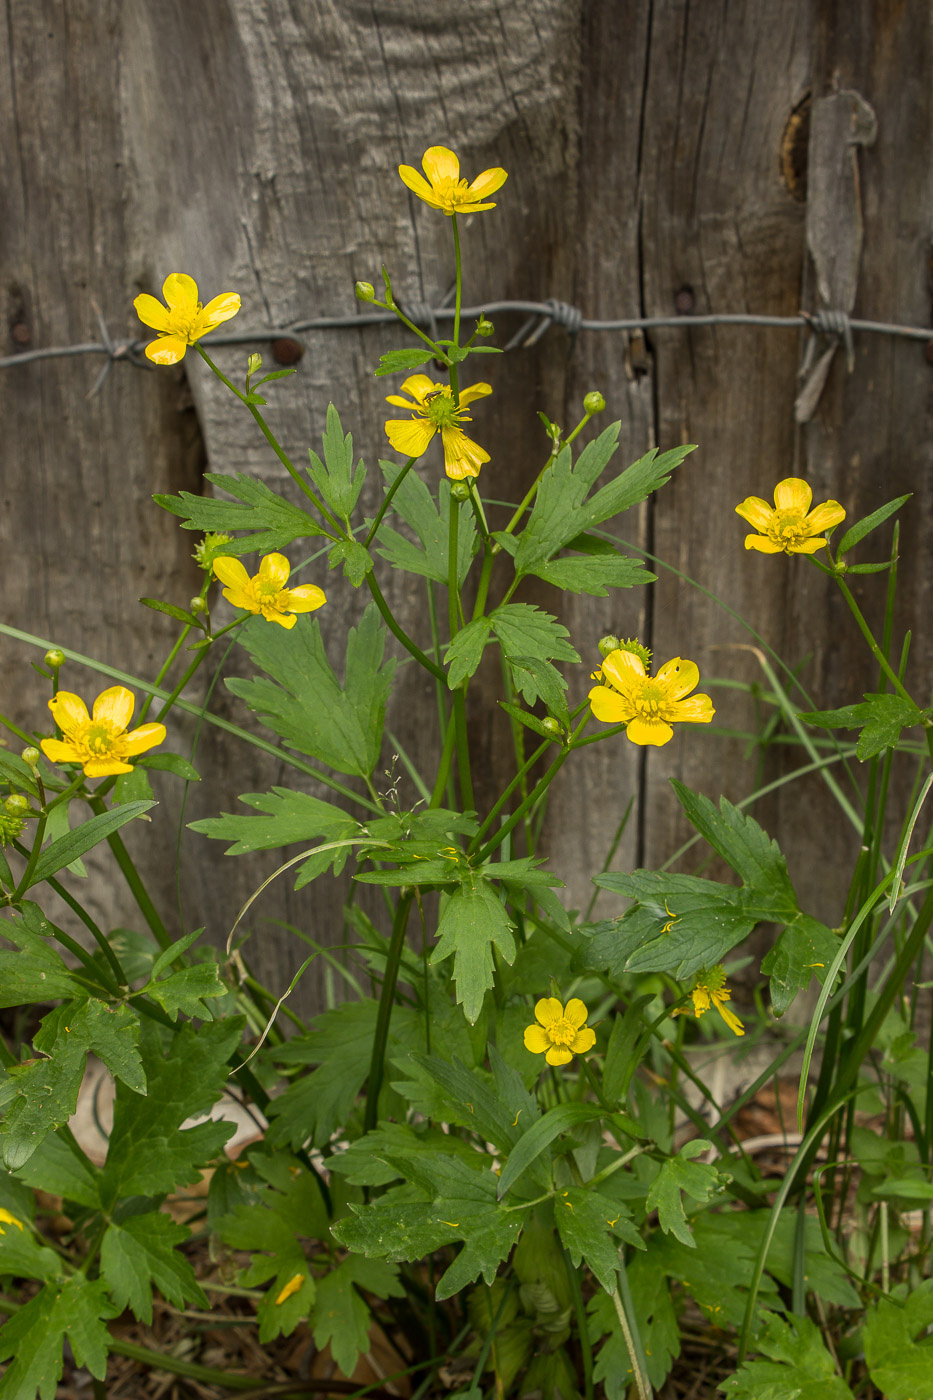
point(622, 1302)
point(454, 368)
point(866, 632)
point(459, 695)
point(387, 500)
point(411, 647)
point(586, 1349)
point(384, 1014)
point(134, 881)
point(537, 792)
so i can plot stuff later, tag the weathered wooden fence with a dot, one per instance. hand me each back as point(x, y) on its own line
point(664, 158)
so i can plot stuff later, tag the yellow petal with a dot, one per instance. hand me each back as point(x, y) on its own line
point(698, 709)
point(105, 767)
point(240, 598)
point(622, 668)
point(486, 184)
point(559, 1055)
point(548, 1010)
point(440, 163)
point(291, 1287)
point(114, 707)
point(462, 456)
point(729, 1016)
point(286, 620)
point(763, 544)
point(475, 391)
point(418, 185)
point(648, 731)
point(536, 1040)
point(824, 517)
point(151, 312)
point(59, 751)
point(584, 1040)
point(756, 511)
point(397, 401)
point(679, 677)
point(69, 711)
point(181, 291)
point(410, 436)
point(167, 350)
point(701, 1001)
point(793, 494)
point(145, 737)
point(217, 311)
point(230, 571)
point(275, 568)
point(306, 598)
point(607, 705)
point(575, 1012)
point(809, 546)
point(419, 386)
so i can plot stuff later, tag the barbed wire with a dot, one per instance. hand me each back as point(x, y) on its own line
point(540, 317)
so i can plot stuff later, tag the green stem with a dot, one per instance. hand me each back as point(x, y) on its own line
point(454, 368)
point(283, 457)
point(96, 933)
point(411, 647)
point(132, 877)
point(482, 591)
point(537, 791)
point(384, 1015)
point(583, 1332)
point(463, 751)
point(447, 754)
point(453, 573)
point(33, 859)
point(387, 501)
point(625, 1310)
point(163, 672)
point(866, 632)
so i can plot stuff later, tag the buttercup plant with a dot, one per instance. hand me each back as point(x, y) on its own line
point(448, 1130)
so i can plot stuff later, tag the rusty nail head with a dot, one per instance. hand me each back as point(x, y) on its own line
point(684, 301)
point(20, 333)
point(287, 351)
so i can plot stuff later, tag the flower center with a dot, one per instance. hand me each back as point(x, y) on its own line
point(440, 409)
point(562, 1032)
point(267, 590)
point(650, 701)
point(451, 193)
point(182, 321)
point(787, 527)
point(99, 739)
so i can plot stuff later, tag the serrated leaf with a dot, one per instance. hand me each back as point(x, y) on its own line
point(465, 650)
point(657, 1327)
point(591, 1227)
point(184, 990)
point(140, 1252)
point(163, 762)
point(803, 948)
point(394, 361)
point(21, 1254)
point(378, 1157)
point(34, 1337)
point(47, 1088)
point(800, 1362)
point(149, 1152)
point(341, 1318)
point(273, 521)
point(539, 1136)
point(594, 576)
point(431, 524)
point(469, 1100)
point(289, 817)
point(738, 838)
point(89, 834)
point(60, 1167)
point(305, 704)
point(37, 973)
point(334, 477)
point(472, 922)
point(864, 527)
point(356, 560)
point(535, 679)
point(881, 719)
point(899, 1364)
point(678, 1176)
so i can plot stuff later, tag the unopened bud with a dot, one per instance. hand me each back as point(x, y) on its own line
point(16, 804)
point(253, 364)
point(365, 291)
point(552, 726)
point(198, 605)
point(608, 644)
point(55, 658)
point(484, 327)
point(30, 756)
point(594, 402)
point(460, 490)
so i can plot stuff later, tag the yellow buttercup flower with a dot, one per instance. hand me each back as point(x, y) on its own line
point(433, 410)
point(293, 1285)
point(648, 705)
point(444, 188)
point(789, 528)
point(99, 741)
point(183, 319)
point(559, 1031)
point(709, 989)
point(265, 592)
point(7, 1219)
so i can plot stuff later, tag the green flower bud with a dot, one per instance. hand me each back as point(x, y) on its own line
point(10, 827)
point(253, 364)
point(484, 327)
point(552, 726)
point(55, 658)
point(16, 805)
point(608, 644)
point(198, 605)
point(365, 291)
point(594, 402)
point(207, 550)
point(460, 490)
point(30, 755)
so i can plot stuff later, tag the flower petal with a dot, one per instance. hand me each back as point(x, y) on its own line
point(622, 668)
point(180, 290)
point(462, 456)
point(145, 737)
point(475, 391)
point(575, 1012)
point(728, 1015)
point(167, 350)
point(584, 1040)
point(608, 705)
point(275, 568)
point(824, 517)
point(151, 312)
point(240, 598)
point(756, 511)
point(536, 1040)
point(488, 182)
point(701, 1001)
point(397, 401)
point(410, 436)
point(648, 731)
point(231, 571)
point(419, 386)
point(306, 598)
point(679, 677)
point(60, 751)
point(559, 1055)
point(105, 767)
point(793, 493)
point(440, 163)
point(216, 311)
point(698, 709)
point(114, 707)
point(69, 711)
point(548, 1010)
point(809, 546)
point(286, 620)
point(763, 544)
point(419, 185)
